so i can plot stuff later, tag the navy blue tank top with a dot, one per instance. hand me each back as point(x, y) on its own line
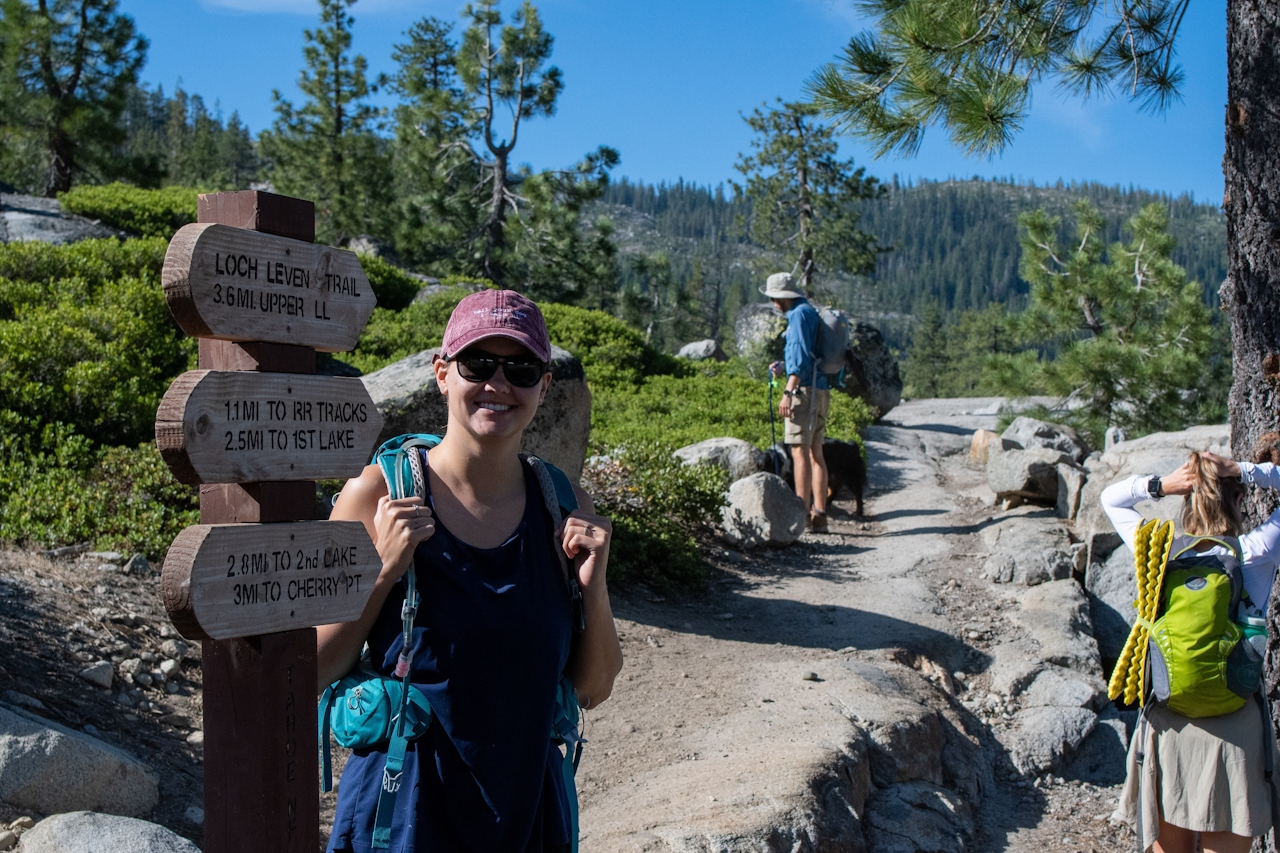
point(491, 639)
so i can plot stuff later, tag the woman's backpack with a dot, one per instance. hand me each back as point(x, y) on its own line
point(1197, 664)
point(366, 709)
point(1185, 649)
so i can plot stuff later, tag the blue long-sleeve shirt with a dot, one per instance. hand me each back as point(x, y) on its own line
point(802, 344)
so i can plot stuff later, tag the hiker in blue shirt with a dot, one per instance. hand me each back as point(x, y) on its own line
point(806, 399)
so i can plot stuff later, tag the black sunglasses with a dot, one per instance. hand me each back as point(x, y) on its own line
point(480, 366)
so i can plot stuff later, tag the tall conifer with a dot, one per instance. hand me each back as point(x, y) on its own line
point(66, 67)
point(327, 149)
point(803, 197)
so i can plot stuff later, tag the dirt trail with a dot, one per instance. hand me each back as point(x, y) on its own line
point(722, 717)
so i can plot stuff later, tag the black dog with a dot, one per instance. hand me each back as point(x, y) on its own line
point(845, 467)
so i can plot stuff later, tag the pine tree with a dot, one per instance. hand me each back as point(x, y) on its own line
point(803, 198)
point(440, 183)
point(928, 358)
point(467, 209)
point(504, 71)
point(66, 67)
point(327, 150)
point(1132, 335)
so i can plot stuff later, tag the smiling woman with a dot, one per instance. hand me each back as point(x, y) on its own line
point(496, 628)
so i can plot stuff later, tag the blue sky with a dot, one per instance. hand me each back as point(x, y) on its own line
point(665, 82)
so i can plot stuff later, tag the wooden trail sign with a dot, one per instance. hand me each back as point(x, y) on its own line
point(237, 285)
point(234, 580)
point(242, 427)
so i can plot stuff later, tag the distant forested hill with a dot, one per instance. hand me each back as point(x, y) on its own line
point(953, 241)
point(957, 241)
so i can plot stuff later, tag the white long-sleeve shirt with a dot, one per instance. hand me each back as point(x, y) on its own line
point(1260, 547)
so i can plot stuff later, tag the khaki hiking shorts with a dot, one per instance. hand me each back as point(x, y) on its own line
point(798, 430)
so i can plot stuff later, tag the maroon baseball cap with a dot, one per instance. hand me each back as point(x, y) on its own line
point(497, 314)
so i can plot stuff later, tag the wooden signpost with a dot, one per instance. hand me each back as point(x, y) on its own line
point(255, 428)
point(231, 580)
point(237, 285)
point(240, 427)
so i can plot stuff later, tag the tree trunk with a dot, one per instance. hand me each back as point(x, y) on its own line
point(62, 162)
point(495, 227)
point(1251, 293)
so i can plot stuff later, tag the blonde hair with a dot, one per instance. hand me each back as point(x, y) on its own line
point(1213, 507)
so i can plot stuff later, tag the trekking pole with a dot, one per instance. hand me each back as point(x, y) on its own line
point(773, 434)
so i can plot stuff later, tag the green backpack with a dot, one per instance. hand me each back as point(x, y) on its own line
point(1197, 664)
point(366, 709)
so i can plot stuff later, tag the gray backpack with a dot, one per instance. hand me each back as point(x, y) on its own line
point(832, 351)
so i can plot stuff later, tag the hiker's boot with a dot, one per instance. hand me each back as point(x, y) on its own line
point(818, 522)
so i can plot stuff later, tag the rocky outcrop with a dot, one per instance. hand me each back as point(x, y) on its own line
point(88, 832)
point(737, 457)
point(1112, 590)
point(49, 768)
point(1025, 433)
point(1025, 474)
point(702, 351)
point(28, 217)
point(758, 333)
point(1030, 550)
point(900, 769)
point(763, 510)
point(1046, 692)
point(873, 371)
point(409, 400)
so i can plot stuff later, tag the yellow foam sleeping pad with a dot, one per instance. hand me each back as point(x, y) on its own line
point(1151, 547)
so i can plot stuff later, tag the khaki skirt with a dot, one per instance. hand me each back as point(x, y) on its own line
point(1206, 774)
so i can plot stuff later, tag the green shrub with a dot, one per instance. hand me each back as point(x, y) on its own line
point(39, 273)
point(99, 364)
point(612, 353)
point(147, 213)
point(118, 498)
point(87, 348)
point(685, 410)
point(393, 335)
point(394, 287)
point(658, 507)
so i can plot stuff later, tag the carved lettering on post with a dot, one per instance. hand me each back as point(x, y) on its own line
point(234, 580)
point(236, 285)
point(242, 427)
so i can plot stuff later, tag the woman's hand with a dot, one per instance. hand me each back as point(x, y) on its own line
point(1181, 481)
point(586, 531)
point(401, 525)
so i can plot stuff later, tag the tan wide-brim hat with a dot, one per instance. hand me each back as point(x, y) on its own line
point(779, 286)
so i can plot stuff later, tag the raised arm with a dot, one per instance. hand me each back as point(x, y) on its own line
point(396, 528)
point(597, 654)
point(1118, 501)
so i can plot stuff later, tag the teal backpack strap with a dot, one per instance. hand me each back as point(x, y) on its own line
point(560, 500)
point(566, 727)
point(326, 758)
point(402, 467)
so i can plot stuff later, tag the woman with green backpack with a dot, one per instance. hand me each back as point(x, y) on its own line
point(1200, 762)
point(487, 609)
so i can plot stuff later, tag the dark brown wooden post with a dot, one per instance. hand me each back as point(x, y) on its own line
point(261, 779)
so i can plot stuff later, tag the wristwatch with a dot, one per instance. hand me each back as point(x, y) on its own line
point(1153, 488)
